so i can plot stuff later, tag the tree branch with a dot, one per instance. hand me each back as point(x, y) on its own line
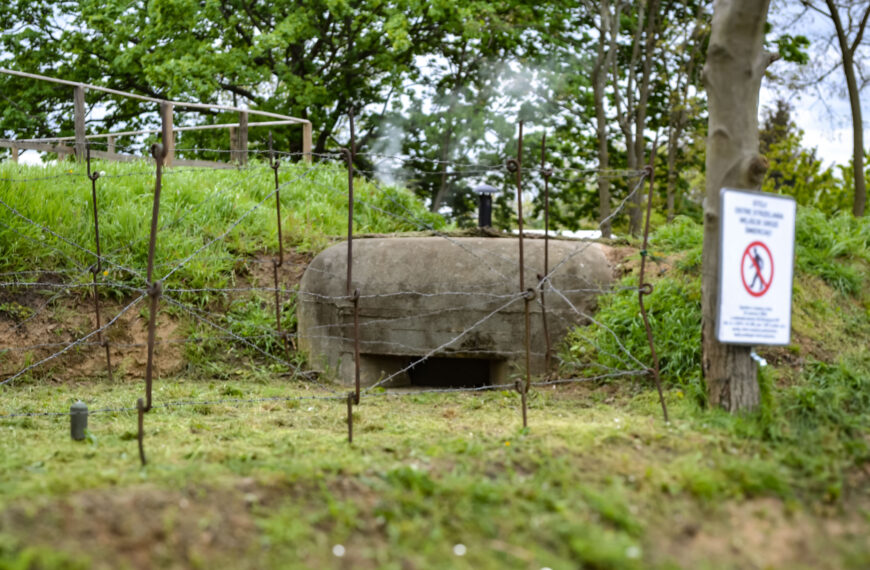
point(861, 27)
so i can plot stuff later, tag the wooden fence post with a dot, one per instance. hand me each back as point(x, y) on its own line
point(79, 118)
point(167, 133)
point(110, 146)
point(306, 141)
point(242, 139)
point(15, 154)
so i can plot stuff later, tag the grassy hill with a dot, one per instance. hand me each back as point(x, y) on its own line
point(197, 206)
point(258, 473)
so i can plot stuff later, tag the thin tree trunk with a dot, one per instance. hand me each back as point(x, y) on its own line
point(650, 35)
point(860, 202)
point(445, 154)
point(736, 62)
point(673, 141)
point(459, 79)
point(679, 116)
point(599, 84)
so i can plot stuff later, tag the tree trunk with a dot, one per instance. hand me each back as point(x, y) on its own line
point(679, 116)
point(441, 192)
point(673, 141)
point(860, 202)
point(599, 84)
point(736, 62)
point(651, 36)
point(633, 159)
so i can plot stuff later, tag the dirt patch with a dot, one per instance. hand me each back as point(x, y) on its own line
point(620, 259)
point(50, 327)
point(625, 260)
point(143, 527)
point(36, 324)
point(259, 271)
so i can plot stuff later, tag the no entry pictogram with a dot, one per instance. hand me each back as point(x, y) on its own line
point(756, 269)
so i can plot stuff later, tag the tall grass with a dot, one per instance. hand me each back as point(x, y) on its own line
point(836, 248)
point(196, 207)
point(815, 415)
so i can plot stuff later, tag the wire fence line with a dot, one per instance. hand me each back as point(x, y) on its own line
point(69, 241)
point(238, 402)
point(223, 323)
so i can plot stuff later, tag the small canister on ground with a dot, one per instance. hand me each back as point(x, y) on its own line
point(78, 414)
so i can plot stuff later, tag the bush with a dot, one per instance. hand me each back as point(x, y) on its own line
point(833, 248)
point(674, 310)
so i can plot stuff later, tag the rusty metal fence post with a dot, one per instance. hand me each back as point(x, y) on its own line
point(277, 263)
point(140, 433)
point(516, 166)
point(546, 173)
point(647, 288)
point(353, 294)
point(350, 401)
point(97, 268)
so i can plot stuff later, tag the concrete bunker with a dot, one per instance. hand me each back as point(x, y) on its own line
point(454, 301)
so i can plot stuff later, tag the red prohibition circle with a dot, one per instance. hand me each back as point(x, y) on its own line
point(765, 285)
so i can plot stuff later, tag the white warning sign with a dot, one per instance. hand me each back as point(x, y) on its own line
point(756, 266)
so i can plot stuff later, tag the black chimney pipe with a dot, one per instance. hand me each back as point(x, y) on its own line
point(484, 212)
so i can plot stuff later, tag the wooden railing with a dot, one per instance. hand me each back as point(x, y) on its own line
point(76, 145)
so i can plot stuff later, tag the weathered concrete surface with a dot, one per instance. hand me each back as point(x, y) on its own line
point(457, 295)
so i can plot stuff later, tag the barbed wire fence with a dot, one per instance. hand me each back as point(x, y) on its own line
point(276, 343)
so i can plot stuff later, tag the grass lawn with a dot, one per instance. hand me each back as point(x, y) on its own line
point(446, 480)
point(598, 480)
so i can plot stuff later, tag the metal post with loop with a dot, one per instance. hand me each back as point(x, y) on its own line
point(353, 294)
point(155, 288)
point(276, 263)
point(97, 268)
point(647, 288)
point(546, 173)
point(516, 166)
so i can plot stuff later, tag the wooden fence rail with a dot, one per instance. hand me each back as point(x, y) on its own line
point(78, 143)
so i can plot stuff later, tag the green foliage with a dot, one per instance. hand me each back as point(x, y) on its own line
point(683, 236)
point(835, 396)
point(442, 83)
point(674, 311)
point(318, 59)
point(833, 247)
point(15, 311)
point(821, 405)
point(836, 248)
point(16, 554)
point(793, 48)
point(797, 171)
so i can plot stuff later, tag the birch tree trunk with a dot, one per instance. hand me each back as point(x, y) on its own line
point(735, 66)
